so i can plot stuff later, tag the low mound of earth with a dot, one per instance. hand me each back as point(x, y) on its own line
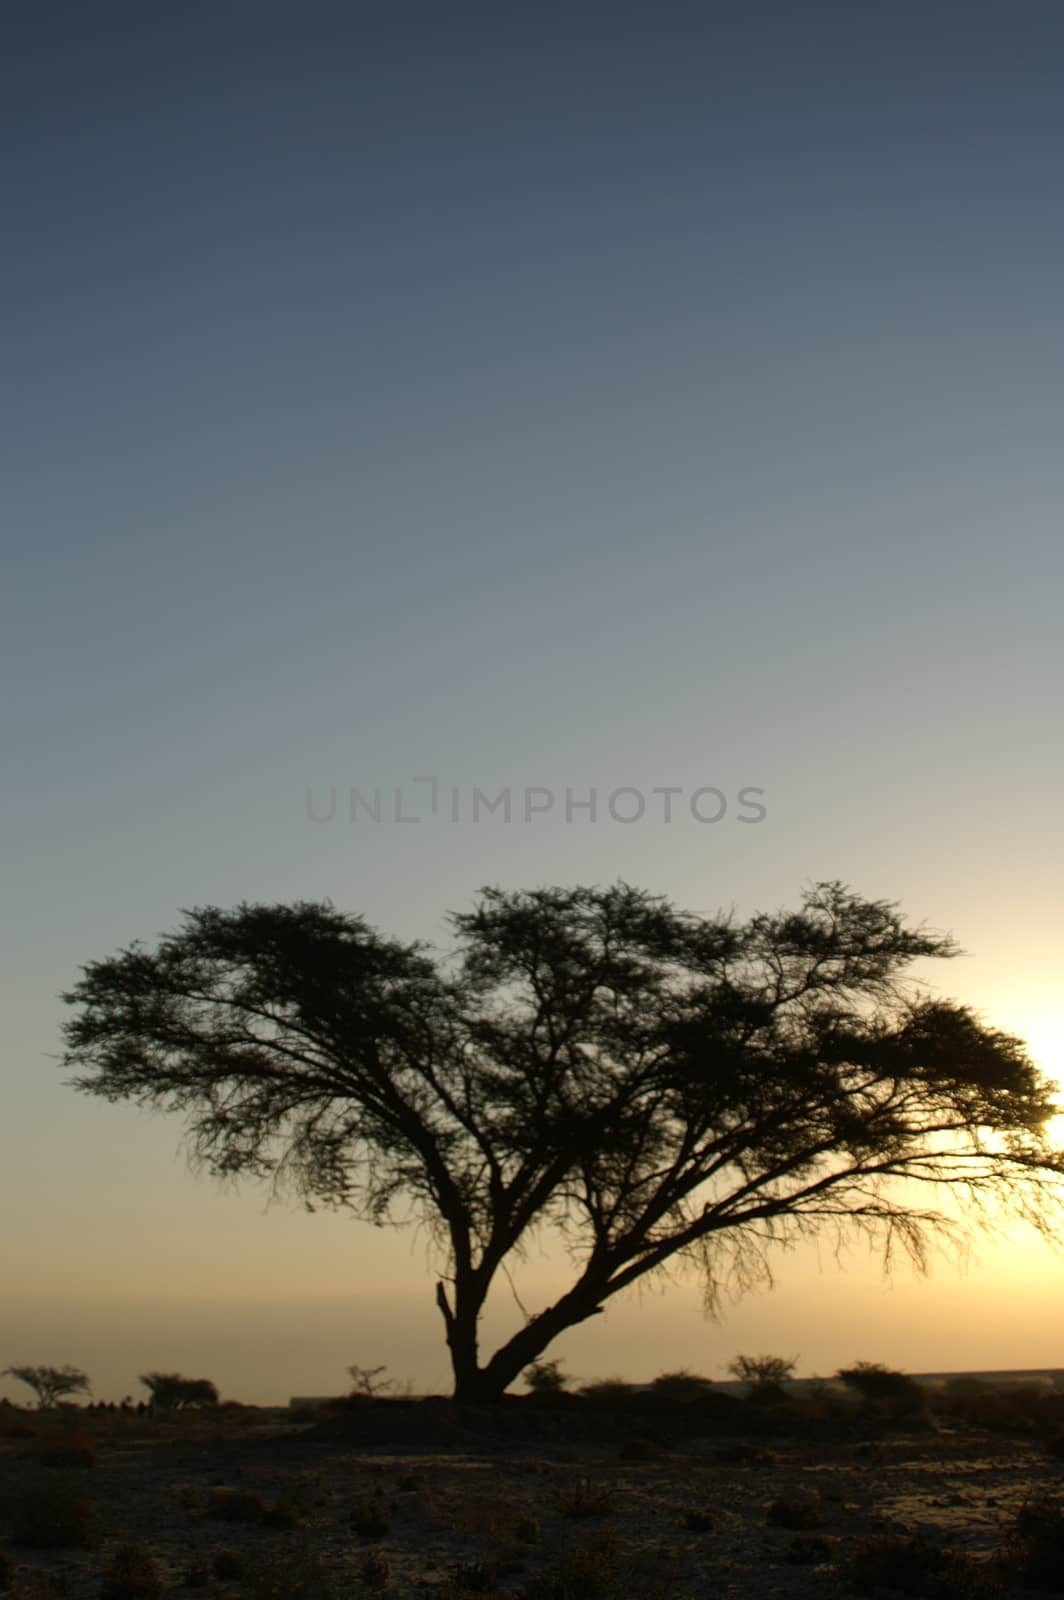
point(428, 1497)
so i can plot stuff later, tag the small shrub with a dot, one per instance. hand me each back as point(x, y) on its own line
point(528, 1530)
point(681, 1385)
point(227, 1564)
point(606, 1389)
point(799, 1513)
point(1035, 1550)
point(545, 1377)
point(282, 1516)
point(809, 1550)
point(235, 1505)
point(763, 1375)
point(588, 1573)
point(914, 1565)
point(370, 1522)
point(894, 1395)
point(374, 1570)
point(50, 1516)
point(132, 1574)
point(585, 1499)
point(698, 1521)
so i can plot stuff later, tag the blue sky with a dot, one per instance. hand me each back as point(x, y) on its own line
point(560, 396)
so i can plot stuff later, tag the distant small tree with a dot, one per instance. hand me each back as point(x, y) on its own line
point(681, 1385)
point(51, 1384)
point(545, 1377)
point(367, 1381)
point(172, 1392)
point(765, 1375)
point(882, 1388)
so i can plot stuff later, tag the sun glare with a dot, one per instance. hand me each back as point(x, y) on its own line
point(1045, 1041)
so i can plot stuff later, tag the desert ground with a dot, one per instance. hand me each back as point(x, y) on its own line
point(555, 1500)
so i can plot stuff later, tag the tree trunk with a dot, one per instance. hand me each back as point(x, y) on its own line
point(475, 1385)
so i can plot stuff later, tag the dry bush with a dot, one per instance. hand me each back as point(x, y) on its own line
point(809, 1550)
point(587, 1573)
point(235, 1505)
point(1035, 1549)
point(299, 1574)
point(375, 1570)
point(132, 1574)
point(914, 1565)
point(585, 1498)
point(799, 1512)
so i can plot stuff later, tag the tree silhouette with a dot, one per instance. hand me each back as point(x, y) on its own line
point(51, 1384)
point(172, 1392)
point(655, 1086)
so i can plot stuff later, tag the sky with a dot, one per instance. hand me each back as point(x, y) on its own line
point(549, 399)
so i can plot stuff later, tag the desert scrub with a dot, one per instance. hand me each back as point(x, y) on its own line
point(299, 1574)
point(374, 1570)
point(282, 1516)
point(50, 1515)
point(916, 1566)
point(809, 1550)
point(1035, 1548)
point(370, 1522)
point(587, 1573)
point(797, 1512)
point(131, 1574)
point(235, 1505)
point(584, 1499)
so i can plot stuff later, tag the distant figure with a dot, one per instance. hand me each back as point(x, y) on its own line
point(141, 1408)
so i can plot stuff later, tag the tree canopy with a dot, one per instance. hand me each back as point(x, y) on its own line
point(51, 1384)
point(658, 1087)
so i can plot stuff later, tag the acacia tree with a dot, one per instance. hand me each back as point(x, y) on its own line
point(51, 1384)
point(172, 1392)
point(656, 1086)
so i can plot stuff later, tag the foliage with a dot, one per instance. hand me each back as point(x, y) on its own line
point(235, 1505)
point(367, 1381)
point(764, 1374)
point(1035, 1550)
point(132, 1574)
point(912, 1564)
point(896, 1394)
point(171, 1392)
point(798, 1512)
point(659, 1088)
point(681, 1385)
point(545, 1377)
point(51, 1384)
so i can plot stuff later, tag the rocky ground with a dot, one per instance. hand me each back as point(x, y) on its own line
point(424, 1500)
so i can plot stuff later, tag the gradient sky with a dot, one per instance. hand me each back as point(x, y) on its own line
point(553, 395)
